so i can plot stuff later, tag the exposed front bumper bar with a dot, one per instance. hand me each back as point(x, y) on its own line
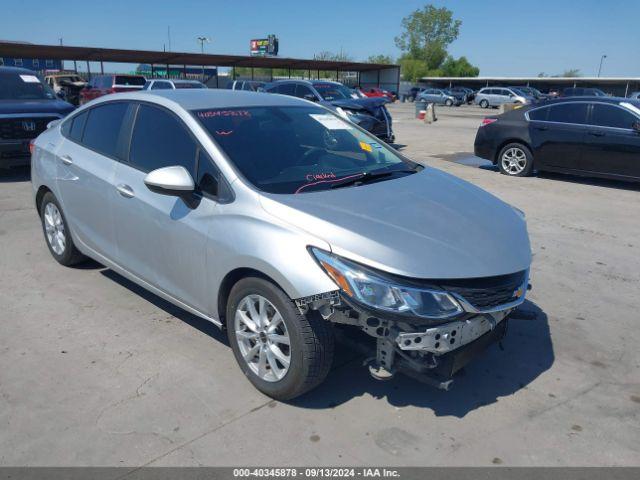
point(450, 336)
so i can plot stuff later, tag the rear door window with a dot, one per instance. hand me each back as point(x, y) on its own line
point(160, 140)
point(287, 89)
point(77, 127)
point(568, 113)
point(103, 126)
point(610, 116)
point(302, 90)
point(539, 114)
point(161, 86)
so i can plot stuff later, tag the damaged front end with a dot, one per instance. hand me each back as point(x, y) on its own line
point(427, 329)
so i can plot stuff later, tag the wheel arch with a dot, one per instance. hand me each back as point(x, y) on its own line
point(42, 191)
point(230, 279)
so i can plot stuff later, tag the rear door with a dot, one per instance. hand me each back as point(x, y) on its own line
point(612, 145)
point(161, 239)
point(558, 134)
point(87, 160)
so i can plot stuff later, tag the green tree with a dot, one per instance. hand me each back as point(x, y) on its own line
point(459, 68)
point(413, 69)
point(382, 59)
point(427, 28)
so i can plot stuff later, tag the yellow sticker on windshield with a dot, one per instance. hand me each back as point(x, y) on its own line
point(366, 147)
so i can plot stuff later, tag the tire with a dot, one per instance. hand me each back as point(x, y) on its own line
point(311, 341)
point(515, 160)
point(484, 104)
point(448, 102)
point(56, 232)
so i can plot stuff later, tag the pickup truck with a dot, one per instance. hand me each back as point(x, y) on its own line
point(27, 106)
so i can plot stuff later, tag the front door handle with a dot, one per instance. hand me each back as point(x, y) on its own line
point(66, 159)
point(125, 190)
point(596, 133)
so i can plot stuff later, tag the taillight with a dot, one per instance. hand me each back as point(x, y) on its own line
point(32, 146)
point(488, 121)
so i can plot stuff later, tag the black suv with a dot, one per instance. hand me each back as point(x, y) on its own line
point(367, 113)
point(27, 105)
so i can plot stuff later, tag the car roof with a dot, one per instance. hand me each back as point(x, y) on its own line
point(197, 99)
point(17, 70)
point(590, 98)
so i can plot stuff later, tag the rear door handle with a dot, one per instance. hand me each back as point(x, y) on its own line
point(66, 159)
point(125, 190)
point(596, 133)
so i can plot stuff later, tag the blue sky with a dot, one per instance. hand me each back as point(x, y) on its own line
point(501, 37)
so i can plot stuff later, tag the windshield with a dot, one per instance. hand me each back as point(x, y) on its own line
point(298, 149)
point(330, 91)
point(23, 86)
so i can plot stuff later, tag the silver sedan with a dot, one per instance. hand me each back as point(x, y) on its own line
point(277, 219)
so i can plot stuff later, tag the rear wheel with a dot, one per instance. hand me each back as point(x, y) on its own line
point(56, 232)
point(484, 103)
point(282, 352)
point(515, 160)
point(448, 102)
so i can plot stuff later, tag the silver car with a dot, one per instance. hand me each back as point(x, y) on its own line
point(496, 96)
point(283, 222)
point(438, 96)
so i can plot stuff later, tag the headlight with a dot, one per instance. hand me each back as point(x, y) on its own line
point(376, 291)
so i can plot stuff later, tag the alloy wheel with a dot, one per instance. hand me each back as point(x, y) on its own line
point(514, 161)
point(54, 229)
point(262, 338)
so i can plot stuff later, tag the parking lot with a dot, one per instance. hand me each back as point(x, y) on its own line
point(96, 371)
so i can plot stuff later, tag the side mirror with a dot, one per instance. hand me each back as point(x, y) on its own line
point(175, 181)
point(310, 96)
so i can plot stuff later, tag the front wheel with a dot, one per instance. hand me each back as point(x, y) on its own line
point(515, 160)
point(484, 103)
point(448, 102)
point(282, 352)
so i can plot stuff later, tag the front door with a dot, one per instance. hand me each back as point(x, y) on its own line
point(612, 144)
point(162, 239)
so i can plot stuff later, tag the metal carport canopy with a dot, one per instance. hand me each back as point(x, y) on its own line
point(94, 54)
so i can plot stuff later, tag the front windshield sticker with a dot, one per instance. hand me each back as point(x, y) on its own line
point(29, 79)
point(224, 113)
point(330, 122)
point(366, 147)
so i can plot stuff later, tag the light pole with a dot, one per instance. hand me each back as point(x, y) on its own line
point(202, 41)
point(600, 67)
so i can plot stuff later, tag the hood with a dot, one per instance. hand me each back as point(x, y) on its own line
point(429, 225)
point(368, 104)
point(36, 106)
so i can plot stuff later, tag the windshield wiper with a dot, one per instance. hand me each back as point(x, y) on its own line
point(368, 177)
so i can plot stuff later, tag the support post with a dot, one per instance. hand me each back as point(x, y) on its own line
point(101, 68)
point(251, 73)
point(88, 71)
point(75, 66)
